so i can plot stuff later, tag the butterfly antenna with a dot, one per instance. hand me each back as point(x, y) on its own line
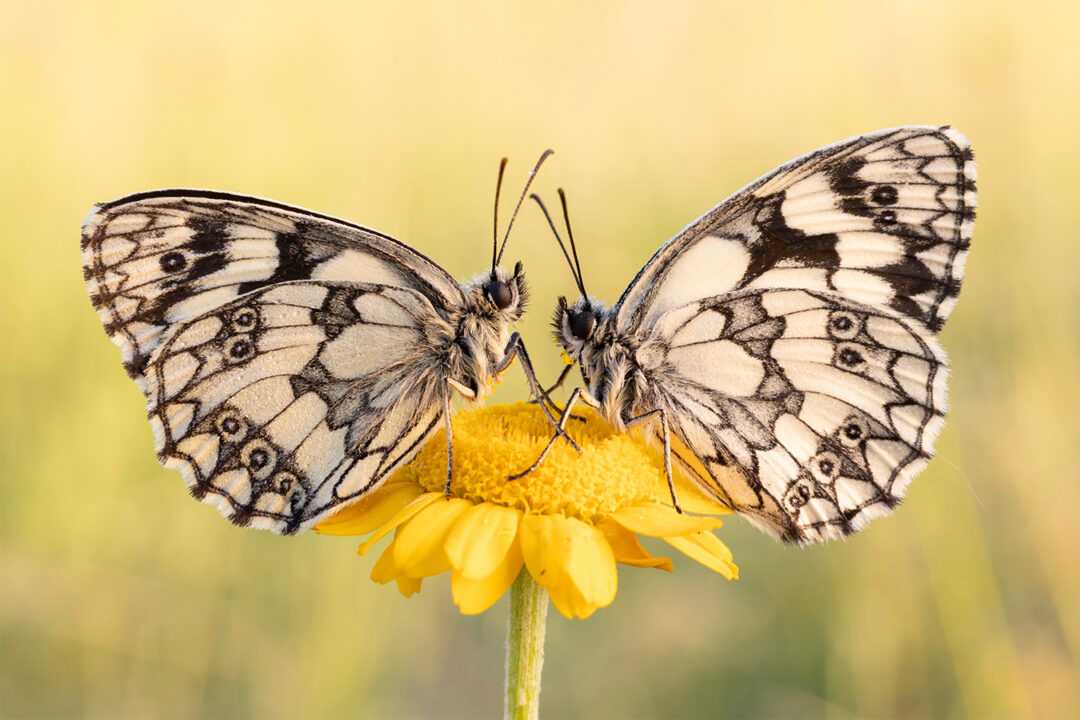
point(577, 278)
point(495, 231)
point(573, 247)
point(517, 207)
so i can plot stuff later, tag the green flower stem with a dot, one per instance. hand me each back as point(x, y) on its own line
point(525, 648)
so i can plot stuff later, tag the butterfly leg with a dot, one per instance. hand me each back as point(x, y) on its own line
point(556, 386)
point(562, 378)
point(516, 348)
point(578, 394)
point(645, 417)
point(468, 393)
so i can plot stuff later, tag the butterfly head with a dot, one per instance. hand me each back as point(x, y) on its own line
point(499, 294)
point(579, 325)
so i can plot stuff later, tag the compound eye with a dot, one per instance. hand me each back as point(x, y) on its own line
point(500, 294)
point(582, 324)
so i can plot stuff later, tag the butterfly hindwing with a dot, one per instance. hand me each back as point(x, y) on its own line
point(883, 219)
point(158, 259)
point(286, 402)
point(806, 411)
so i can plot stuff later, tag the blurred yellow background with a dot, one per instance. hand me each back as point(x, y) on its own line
point(121, 597)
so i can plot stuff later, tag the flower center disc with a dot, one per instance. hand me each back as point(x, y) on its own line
point(614, 470)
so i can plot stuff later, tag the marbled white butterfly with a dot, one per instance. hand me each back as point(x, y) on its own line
point(292, 361)
point(783, 346)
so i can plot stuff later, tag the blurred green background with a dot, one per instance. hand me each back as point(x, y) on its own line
point(121, 597)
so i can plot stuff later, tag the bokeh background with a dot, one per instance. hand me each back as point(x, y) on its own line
point(120, 597)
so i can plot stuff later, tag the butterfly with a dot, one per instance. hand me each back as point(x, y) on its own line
point(291, 360)
point(783, 347)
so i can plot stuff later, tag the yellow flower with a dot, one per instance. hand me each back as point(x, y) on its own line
point(569, 522)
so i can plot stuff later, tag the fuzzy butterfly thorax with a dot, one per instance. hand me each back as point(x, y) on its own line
point(482, 327)
point(608, 362)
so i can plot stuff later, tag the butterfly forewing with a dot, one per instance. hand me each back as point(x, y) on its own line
point(155, 260)
point(883, 219)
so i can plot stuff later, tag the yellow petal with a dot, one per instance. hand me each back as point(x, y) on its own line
point(545, 545)
point(418, 545)
point(569, 601)
point(475, 595)
point(658, 520)
point(401, 516)
point(572, 560)
point(385, 568)
point(369, 513)
point(628, 550)
point(408, 586)
point(691, 496)
point(592, 564)
point(693, 500)
point(714, 545)
point(707, 549)
point(480, 539)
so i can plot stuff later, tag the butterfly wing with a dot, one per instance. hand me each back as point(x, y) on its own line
point(874, 230)
point(277, 347)
point(884, 219)
point(805, 411)
point(157, 259)
point(289, 401)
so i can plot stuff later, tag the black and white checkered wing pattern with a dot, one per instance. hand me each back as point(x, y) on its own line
point(807, 412)
point(799, 318)
point(283, 404)
point(280, 350)
point(155, 260)
point(884, 219)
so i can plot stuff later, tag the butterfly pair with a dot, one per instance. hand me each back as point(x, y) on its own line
point(782, 347)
